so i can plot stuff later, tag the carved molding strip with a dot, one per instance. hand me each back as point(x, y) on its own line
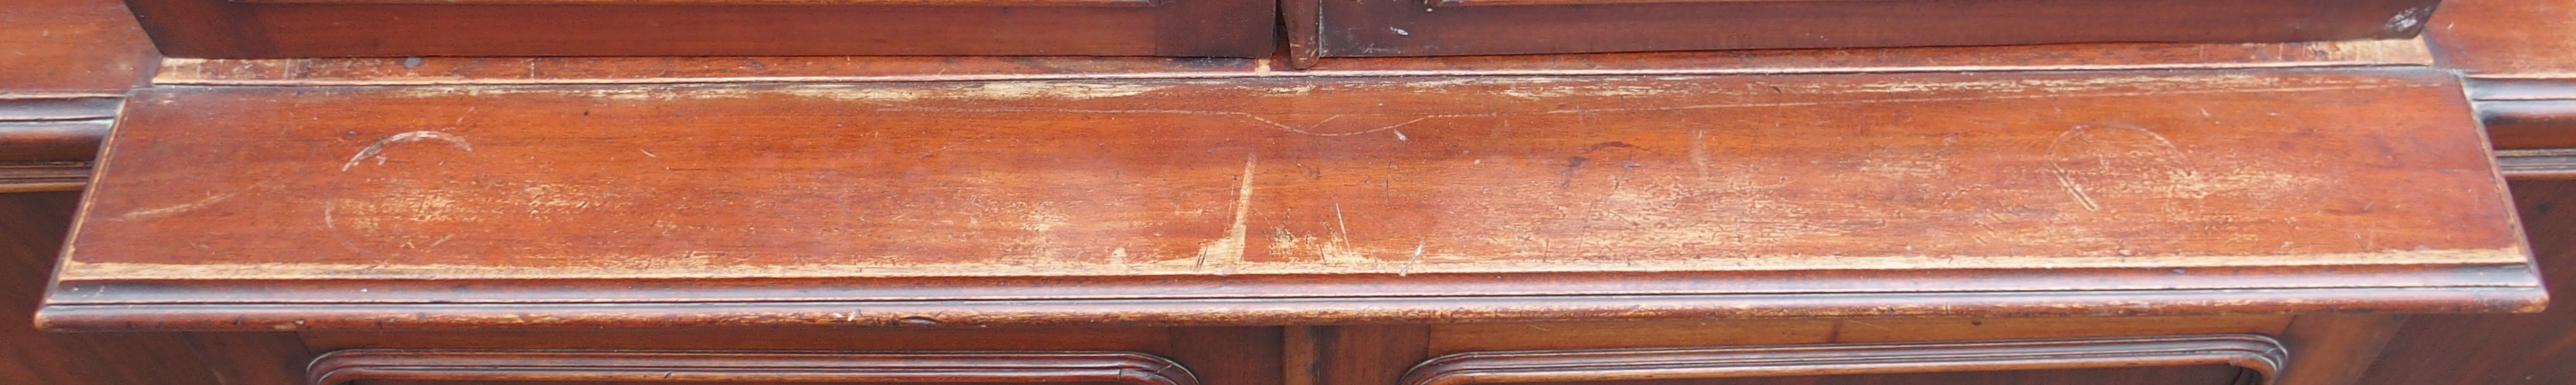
point(737, 367)
point(48, 142)
point(2537, 164)
point(2260, 354)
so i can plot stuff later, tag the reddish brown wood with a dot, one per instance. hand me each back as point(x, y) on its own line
point(71, 47)
point(663, 70)
point(2460, 349)
point(2530, 124)
point(59, 129)
point(226, 29)
point(1303, 26)
point(2502, 39)
point(926, 3)
point(1364, 354)
point(34, 225)
point(2253, 352)
point(737, 367)
point(1448, 339)
point(1295, 202)
point(2336, 349)
point(1494, 27)
point(47, 142)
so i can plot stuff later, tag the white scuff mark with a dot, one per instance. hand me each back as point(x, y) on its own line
point(379, 146)
point(175, 209)
point(2407, 20)
point(1320, 124)
point(1232, 247)
point(1415, 260)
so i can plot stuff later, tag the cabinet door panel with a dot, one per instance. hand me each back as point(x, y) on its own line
point(395, 28)
point(2170, 375)
point(611, 366)
point(1494, 27)
point(2045, 361)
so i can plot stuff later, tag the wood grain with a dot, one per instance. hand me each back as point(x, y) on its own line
point(47, 143)
point(1448, 339)
point(736, 367)
point(931, 3)
point(2256, 353)
point(226, 29)
point(57, 129)
point(2504, 39)
point(1420, 28)
point(71, 47)
point(2462, 349)
point(35, 224)
point(2336, 349)
point(1052, 202)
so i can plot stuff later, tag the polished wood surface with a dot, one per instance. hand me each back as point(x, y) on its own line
point(2505, 39)
point(57, 115)
point(1300, 196)
point(2259, 354)
point(228, 29)
point(71, 47)
point(733, 367)
point(1501, 27)
point(35, 224)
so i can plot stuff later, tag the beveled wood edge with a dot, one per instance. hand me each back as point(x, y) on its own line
point(935, 3)
point(177, 71)
point(94, 290)
point(704, 366)
point(1272, 311)
point(2256, 353)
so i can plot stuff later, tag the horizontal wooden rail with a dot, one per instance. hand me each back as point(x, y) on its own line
point(938, 3)
point(2259, 354)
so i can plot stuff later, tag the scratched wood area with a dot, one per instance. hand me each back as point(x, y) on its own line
point(1338, 175)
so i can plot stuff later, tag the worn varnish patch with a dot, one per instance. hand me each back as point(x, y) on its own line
point(1282, 176)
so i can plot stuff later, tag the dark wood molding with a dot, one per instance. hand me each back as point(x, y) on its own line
point(2537, 164)
point(48, 142)
point(2336, 349)
point(1509, 27)
point(2259, 354)
point(1303, 24)
point(733, 367)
